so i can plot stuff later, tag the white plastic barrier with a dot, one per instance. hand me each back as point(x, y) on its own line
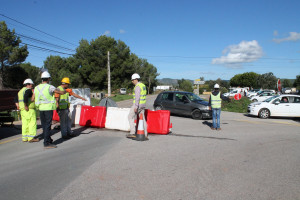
point(75, 113)
point(83, 92)
point(117, 118)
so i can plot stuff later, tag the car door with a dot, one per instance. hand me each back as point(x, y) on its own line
point(283, 108)
point(295, 106)
point(168, 101)
point(182, 104)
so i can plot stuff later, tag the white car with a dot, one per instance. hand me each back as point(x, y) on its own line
point(123, 91)
point(263, 96)
point(279, 105)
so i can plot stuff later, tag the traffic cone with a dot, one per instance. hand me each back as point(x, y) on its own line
point(140, 135)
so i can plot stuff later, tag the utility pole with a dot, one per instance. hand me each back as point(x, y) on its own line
point(108, 75)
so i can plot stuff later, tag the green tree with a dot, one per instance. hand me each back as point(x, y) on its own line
point(248, 79)
point(32, 71)
point(286, 83)
point(11, 53)
point(14, 77)
point(267, 81)
point(297, 82)
point(185, 85)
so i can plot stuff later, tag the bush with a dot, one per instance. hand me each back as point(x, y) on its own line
point(239, 106)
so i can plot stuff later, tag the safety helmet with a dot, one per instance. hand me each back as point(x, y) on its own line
point(46, 75)
point(28, 81)
point(66, 80)
point(216, 86)
point(135, 76)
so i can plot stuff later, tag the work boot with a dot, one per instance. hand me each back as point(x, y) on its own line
point(50, 146)
point(34, 140)
point(131, 136)
point(212, 128)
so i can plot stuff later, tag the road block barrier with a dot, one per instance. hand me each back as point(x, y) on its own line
point(158, 122)
point(93, 116)
point(117, 118)
point(75, 111)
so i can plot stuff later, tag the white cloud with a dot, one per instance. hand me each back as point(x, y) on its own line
point(294, 36)
point(236, 55)
point(107, 32)
point(122, 31)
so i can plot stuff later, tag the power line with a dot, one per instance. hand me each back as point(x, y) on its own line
point(46, 49)
point(45, 43)
point(202, 57)
point(36, 29)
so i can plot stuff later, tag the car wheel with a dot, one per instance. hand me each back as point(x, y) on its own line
point(254, 100)
point(196, 114)
point(264, 113)
point(158, 108)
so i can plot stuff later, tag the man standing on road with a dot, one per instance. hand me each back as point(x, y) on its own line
point(45, 102)
point(62, 103)
point(215, 102)
point(28, 112)
point(139, 105)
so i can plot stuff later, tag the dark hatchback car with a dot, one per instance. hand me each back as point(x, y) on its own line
point(183, 103)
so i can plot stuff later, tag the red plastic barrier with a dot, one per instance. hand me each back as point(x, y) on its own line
point(55, 116)
point(158, 122)
point(93, 116)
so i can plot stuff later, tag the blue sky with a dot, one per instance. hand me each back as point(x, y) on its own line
point(183, 39)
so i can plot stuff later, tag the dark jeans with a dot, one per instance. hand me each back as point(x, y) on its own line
point(46, 120)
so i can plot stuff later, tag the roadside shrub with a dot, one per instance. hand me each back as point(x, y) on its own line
point(239, 106)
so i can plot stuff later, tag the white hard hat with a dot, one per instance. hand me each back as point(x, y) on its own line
point(46, 75)
point(135, 76)
point(216, 86)
point(29, 81)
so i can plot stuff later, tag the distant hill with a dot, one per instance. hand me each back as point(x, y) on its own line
point(170, 81)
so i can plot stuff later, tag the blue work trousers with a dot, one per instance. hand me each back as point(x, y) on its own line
point(65, 122)
point(216, 112)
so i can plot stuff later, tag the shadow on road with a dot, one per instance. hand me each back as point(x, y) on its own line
point(75, 132)
point(206, 137)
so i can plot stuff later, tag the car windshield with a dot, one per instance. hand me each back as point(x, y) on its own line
point(193, 97)
point(271, 98)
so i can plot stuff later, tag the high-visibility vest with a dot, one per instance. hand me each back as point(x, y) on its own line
point(63, 99)
point(21, 93)
point(216, 100)
point(43, 99)
point(142, 94)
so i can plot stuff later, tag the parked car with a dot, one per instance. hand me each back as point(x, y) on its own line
point(279, 105)
point(263, 96)
point(123, 91)
point(252, 92)
point(260, 92)
point(287, 90)
point(183, 103)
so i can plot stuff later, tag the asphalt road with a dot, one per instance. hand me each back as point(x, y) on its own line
point(249, 159)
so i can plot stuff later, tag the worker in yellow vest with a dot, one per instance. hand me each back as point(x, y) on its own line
point(215, 103)
point(45, 103)
point(62, 103)
point(28, 112)
point(139, 105)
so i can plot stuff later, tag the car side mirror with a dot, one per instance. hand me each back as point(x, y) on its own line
point(277, 102)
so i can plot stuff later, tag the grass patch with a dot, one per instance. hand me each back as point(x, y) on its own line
point(120, 97)
point(239, 106)
point(116, 98)
point(95, 102)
